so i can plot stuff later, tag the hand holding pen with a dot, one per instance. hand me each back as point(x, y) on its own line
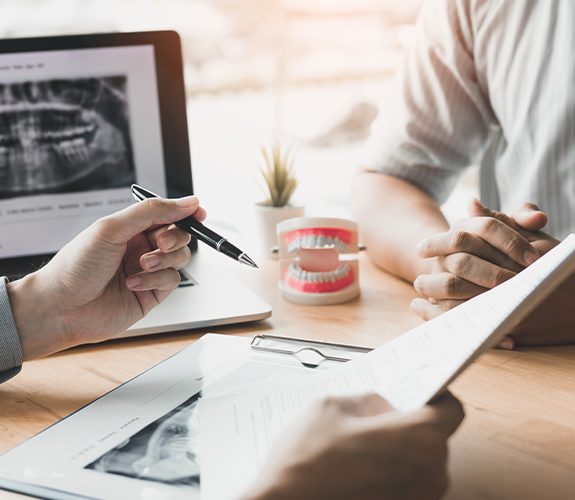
point(200, 232)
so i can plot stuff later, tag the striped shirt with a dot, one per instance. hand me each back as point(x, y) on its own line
point(489, 82)
point(10, 349)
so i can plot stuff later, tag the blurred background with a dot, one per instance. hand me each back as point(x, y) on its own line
point(312, 73)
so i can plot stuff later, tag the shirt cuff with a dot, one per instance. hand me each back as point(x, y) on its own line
point(10, 348)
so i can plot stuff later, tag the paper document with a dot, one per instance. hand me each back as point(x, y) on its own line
point(140, 441)
point(237, 431)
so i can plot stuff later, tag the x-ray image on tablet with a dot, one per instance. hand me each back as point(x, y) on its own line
point(165, 450)
point(64, 135)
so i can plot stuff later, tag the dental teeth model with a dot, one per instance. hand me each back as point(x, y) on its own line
point(318, 260)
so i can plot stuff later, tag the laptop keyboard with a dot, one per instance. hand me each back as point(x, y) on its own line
point(185, 278)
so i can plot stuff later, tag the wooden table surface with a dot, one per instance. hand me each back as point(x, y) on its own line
point(517, 441)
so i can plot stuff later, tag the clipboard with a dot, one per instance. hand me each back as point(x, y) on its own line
point(310, 353)
point(58, 463)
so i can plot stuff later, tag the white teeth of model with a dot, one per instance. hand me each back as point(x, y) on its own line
point(293, 270)
point(312, 241)
point(321, 241)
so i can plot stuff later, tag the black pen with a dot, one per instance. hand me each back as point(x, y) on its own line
point(199, 231)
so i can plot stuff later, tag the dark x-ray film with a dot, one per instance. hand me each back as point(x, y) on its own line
point(64, 135)
point(166, 450)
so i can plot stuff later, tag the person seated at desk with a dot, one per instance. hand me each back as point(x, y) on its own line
point(488, 82)
point(122, 266)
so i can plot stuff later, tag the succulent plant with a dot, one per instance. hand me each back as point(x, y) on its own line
point(278, 174)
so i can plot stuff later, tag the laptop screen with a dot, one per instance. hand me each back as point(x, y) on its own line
point(77, 128)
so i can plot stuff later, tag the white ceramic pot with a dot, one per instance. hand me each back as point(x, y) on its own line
point(266, 220)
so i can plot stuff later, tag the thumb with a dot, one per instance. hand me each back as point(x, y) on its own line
point(121, 227)
point(530, 217)
point(362, 405)
point(476, 209)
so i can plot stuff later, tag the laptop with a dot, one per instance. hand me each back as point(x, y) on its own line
point(81, 119)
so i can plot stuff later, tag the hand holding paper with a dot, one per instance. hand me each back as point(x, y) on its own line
point(353, 447)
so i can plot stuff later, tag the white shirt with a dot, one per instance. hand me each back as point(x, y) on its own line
point(490, 82)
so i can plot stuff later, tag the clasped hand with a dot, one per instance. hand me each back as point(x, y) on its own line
point(477, 254)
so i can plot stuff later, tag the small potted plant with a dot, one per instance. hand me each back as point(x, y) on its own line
point(279, 185)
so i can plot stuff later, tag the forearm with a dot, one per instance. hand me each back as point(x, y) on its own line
point(394, 216)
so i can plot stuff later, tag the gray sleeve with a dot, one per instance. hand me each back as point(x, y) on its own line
point(436, 120)
point(10, 348)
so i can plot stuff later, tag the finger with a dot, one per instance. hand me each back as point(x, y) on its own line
point(201, 214)
point(502, 237)
point(445, 413)
point(446, 286)
point(477, 209)
point(364, 405)
point(121, 227)
point(451, 242)
point(170, 239)
point(530, 217)
point(152, 235)
point(154, 261)
point(427, 309)
point(476, 270)
point(508, 343)
point(165, 279)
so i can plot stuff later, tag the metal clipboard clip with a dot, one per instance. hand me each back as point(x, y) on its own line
point(310, 353)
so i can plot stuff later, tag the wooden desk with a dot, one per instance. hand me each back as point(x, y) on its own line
point(518, 440)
